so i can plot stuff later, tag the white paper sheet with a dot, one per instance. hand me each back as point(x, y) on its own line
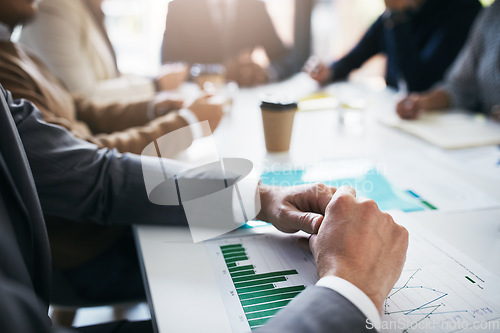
point(484, 161)
point(440, 289)
point(449, 130)
point(433, 182)
point(412, 177)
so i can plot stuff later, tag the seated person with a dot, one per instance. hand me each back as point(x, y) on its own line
point(78, 248)
point(226, 32)
point(128, 127)
point(108, 187)
point(420, 38)
point(71, 39)
point(474, 80)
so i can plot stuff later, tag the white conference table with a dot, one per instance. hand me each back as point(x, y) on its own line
point(318, 136)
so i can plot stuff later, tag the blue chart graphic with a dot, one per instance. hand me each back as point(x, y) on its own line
point(371, 185)
point(440, 290)
point(431, 301)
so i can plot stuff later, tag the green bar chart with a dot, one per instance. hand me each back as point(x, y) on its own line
point(259, 292)
point(258, 272)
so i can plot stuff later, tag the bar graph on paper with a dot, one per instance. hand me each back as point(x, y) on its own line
point(258, 276)
point(440, 290)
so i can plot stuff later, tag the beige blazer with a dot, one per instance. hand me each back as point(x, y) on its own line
point(122, 126)
point(66, 37)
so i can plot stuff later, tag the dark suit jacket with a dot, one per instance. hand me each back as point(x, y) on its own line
point(192, 36)
point(76, 179)
point(419, 50)
point(73, 179)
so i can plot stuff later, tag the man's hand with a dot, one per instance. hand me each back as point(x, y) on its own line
point(245, 71)
point(205, 108)
point(318, 70)
point(171, 76)
point(291, 209)
point(409, 107)
point(359, 243)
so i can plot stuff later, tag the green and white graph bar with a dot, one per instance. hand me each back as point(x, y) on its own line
point(259, 295)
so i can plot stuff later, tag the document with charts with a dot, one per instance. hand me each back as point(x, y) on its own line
point(404, 181)
point(258, 274)
point(440, 289)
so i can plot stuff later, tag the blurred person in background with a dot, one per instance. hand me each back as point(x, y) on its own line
point(128, 127)
point(473, 82)
point(421, 39)
point(71, 39)
point(82, 251)
point(227, 32)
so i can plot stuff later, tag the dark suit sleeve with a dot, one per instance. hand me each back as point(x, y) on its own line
point(424, 65)
point(76, 180)
point(318, 310)
point(367, 47)
point(20, 309)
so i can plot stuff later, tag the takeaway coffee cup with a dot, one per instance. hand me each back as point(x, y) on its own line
point(277, 118)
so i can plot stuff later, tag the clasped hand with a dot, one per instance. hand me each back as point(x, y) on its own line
point(351, 238)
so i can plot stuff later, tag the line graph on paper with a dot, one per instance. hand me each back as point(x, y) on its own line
point(440, 291)
point(431, 302)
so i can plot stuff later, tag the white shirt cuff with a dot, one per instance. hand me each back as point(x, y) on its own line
point(192, 121)
point(355, 295)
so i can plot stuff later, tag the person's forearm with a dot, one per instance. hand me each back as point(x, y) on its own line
point(78, 181)
point(434, 99)
point(367, 47)
point(120, 88)
point(112, 117)
point(134, 139)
